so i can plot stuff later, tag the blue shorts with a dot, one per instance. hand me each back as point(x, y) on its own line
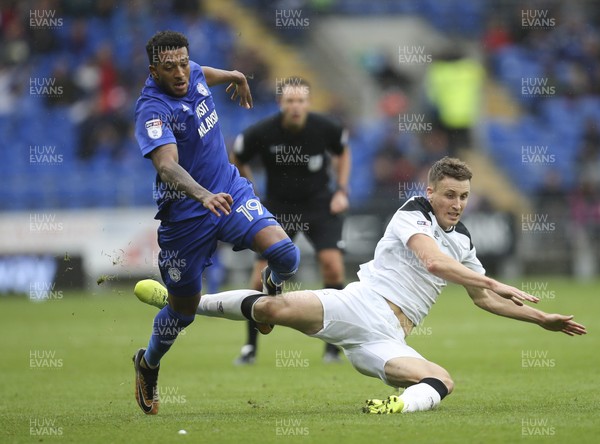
point(187, 246)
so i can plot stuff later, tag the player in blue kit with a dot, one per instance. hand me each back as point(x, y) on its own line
point(201, 197)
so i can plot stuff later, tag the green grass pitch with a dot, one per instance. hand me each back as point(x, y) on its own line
point(67, 376)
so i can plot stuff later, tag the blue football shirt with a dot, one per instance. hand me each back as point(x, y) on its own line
point(192, 123)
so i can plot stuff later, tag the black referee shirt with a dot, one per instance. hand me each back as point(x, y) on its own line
point(296, 163)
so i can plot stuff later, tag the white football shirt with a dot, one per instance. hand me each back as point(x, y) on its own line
point(398, 275)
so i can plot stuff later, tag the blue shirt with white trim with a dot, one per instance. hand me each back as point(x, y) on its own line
point(192, 123)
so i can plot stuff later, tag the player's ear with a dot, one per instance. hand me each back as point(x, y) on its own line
point(429, 192)
point(153, 71)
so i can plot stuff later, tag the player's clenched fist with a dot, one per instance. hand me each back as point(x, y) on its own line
point(218, 202)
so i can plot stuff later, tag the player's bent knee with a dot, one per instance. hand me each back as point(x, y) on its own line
point(404, 372)
point(448, 382)
point(267, 310)
point(283, 258)
point(443, 375)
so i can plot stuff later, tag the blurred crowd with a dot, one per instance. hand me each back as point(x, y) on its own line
point(93, 50)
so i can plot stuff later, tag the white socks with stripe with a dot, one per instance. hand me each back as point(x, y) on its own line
point(425, 395)
point(227, 304)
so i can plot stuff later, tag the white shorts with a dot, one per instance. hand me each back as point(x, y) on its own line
point(364, 325)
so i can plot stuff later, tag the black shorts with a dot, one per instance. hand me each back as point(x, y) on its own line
point(313, 218)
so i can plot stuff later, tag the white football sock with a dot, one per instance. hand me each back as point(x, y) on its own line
point(420, 397)
point(227, 304)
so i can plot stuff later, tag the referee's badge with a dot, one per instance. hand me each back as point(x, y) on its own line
point(201, 89)
point(154, 128)
point(315, 163)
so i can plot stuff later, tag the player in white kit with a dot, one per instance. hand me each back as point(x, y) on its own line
point(424, 246)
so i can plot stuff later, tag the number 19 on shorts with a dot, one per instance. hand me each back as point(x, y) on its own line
point(250, 205)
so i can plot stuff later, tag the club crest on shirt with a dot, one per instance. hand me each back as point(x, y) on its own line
point(174, 274)
point(154, 128)
point(201, 89)
point(315, 163)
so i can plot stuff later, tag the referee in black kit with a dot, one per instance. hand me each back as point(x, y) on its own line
point(294, 146)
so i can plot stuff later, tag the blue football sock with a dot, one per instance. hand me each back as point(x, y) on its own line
point(167, 325)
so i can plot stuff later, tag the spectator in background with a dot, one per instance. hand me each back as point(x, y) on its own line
point(497, 35)
point(391, 169)
point(9, 90)
point(69, 92)
point(102, 135)
point(588, 159)
point(434, 144)
point(253, 64)
point(453, 86)
point(77, 43)
point(43, 39)
point(384, 70)
point(104, 130)
point(15, 48)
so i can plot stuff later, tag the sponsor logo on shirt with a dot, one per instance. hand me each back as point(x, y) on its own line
point(208, 121)
point(425, 223)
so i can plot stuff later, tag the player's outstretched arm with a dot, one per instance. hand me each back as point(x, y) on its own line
point(166, 161)
point(492, 302)
point(238, 85)
point(449, 269)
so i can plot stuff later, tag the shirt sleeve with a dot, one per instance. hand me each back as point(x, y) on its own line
point(471, 261)
point(151, 130)
point(406, 224)
point(338, 138)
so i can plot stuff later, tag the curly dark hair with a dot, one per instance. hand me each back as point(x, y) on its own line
point(165, 41)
